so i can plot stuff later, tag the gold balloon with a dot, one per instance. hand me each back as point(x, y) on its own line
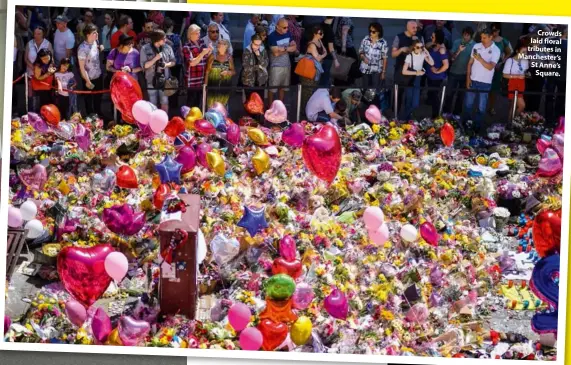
point(301, 331)
point(258, 136)
point(113, 338)
point(216, 163)
point(192, 116)
point(261, 161)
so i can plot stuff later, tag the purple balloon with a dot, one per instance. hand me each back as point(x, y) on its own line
point(288, 248)
point(294, 135)
point(169, 170)
point(132, 331)
point(336, 304)
point(101, 325)
point(186, 157)
point(7, 324)
point(38, 122)
point(75, 312)
point(82, 137)
point(184, 110)
point(201, 151)
point(121, 219)
point(233, 133)
point(303, 296)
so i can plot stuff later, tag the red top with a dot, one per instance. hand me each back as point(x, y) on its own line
point(115, 38)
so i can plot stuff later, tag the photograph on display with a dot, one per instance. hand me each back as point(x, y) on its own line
point(300, 184)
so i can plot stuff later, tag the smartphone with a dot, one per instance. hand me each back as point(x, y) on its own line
point(475, 52)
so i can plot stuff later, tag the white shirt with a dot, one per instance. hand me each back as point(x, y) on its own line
point(516, 67)
point(491, 54)
point(64, 78)
point(33, 50)
point(417, 61)
point(319, 102)
point(62, 42)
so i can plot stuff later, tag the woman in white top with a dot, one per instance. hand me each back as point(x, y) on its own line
point(34, 46)
point(413, 71)
point(108, 30)
point(515, 69)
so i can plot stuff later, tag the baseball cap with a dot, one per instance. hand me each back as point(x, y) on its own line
point(62, 19)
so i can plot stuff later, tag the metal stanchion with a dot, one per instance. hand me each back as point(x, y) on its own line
point(203, 99)
point(442, 100)
point(298, 102)
point(515, 104)
point(396, 101)
point(27, 91)
point(114, 113)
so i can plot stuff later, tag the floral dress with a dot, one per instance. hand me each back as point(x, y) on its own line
point(215, 79)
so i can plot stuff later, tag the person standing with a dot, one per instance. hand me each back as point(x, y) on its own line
point(65, 80)
point(373, 54)
point(506, 50)
point(436, 73)
point(144, 37)
point(218, 19)
point(195, 54)
point(219, 72)
point(316, 49)
point(331, 58)
point(413, 68)
point(125, 27)
point(250, 29)
point(34, 46)
point(255, 63)
point(460, 56)
point(43, 79)
point(281, 45)
point(213, 36)
point(107, 32)
point(438, 25)
point(515, 69)
point(87, 20)
point(343, 39)
point(64, 40)
point(157, 58)
point(401, 47)
point(480, 73)
point(174, 41)
point(125, 58)
point(90, 69)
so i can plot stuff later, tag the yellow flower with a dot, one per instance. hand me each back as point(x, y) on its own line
point(387, 316)
point(376, 128)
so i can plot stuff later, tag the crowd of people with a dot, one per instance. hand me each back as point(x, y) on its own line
point(176, 53)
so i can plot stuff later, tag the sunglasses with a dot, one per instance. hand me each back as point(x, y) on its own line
point(213, 31)
point(319, 33)
point(373, 31)
point(417, 47)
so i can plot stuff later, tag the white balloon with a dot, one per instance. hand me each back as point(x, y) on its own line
point(35, 229)
point(29, 210)
point(408, 233)
point(201, 247)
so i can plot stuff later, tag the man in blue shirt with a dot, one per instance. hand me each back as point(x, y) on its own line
point(250, 29)
point(460, 56)
point(281, 45)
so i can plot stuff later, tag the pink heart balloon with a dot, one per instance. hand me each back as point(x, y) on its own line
point(186, 157)
point(132, 331)
point(336, 304)
point(82, 137)
point(34, 178)
point(550, 164)
point(121, 219)
point(288, 248)
point(82, 272)
point(233, 133)
point(201, 151)
point(302, 296)
point(418, 313)
point(557, 144)
point(542, 145)
point(219, 108)
point(101, 325)
point(429, 234)
point(294, 135)
point(373, 114)
point(322, 153)
point(277, 113)
point(204, 127)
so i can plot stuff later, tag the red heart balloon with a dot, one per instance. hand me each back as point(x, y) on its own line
point(126, 177)
point(281, 266)
point(546, 232)
point(255, 104)
point(125, 92)
point(175, 127)
point(322, 153)
point(51, 114)
point(274, 334)
point(160, 195)
point(204, 127)
point(82, 272)
point(447, 134)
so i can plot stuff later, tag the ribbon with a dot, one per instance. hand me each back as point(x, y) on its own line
point(174, 244)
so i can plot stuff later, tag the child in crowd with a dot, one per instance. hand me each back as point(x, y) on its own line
point(65, 81)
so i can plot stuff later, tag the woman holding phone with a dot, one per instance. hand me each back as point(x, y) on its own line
point(413, 71)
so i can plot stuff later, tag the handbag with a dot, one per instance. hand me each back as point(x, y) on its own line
point(342, 72)
point(171, 86)
point(306, 68)
point(408, 80)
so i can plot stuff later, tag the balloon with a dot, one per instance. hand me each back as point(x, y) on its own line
point(51, 114)
point(183, 139)
point(159, 121)
point(322, 153)
point(126, 177)
point(253, 220)
point(29, 209)
point(279, 287)
point(175, 127)
point(187, 158)
point(373, 114)
point(113, 338)
point(193, 115)
point(103, 182)
point(7, 324)
point(546, 232)
point(125, 92)
point(216, 163)
point(294, 135)
point(379, 236)
point(37, 122)
point(121, 219)
point(373, 217)
point(336, 304)
point(184, 110)
point(160, 195)
point(550, 164)
point(101, 325)
point(82, 272)
point(132, 331)
point(561, 127)
point(257, 136)
point(233, 133)
point(142, 111)
point(34, 178)
point(303, 296)
point(288, 248)
point(281, 266)
point(251, 339)
point(15, 219)
point(35, 229)
point(274, 334)
point(239, 316)
point(220, 108)
point(201, 249)
point(214, 117)
point(429, 234)
point(418, 313)
point(201, 151)
point(116, 266)
point(408, 233)
point(82, 137)
point(261, 161)
point(65, 131)
point(447, 134)
point(542, 144)
point(278, 311)
point(277, 113)
point(301, 331)
point(204, 127)
point(224, 249)
point(169, 170)
point(557, 144)
point(255, 104)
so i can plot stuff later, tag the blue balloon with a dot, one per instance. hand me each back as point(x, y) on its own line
point(221, 127)
point(214, 117)
point(253, 220)
point(169, 170)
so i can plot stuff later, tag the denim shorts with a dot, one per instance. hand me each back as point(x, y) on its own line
point(158, 98)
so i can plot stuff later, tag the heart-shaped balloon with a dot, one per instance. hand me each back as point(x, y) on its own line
point(126, 177)
point(103, 182)
point(288, 248)
point(65, 131)
point(82, 137)
point(204, 127)
point(160, 195)
point(187, 158)
point(542, 144)
point(51, 114)
point(294, 135)
point(224, 249)
point(303, 296)
point(277, 113)
point(34, 178)
point(429, 234)
point(132, 331)
point(193, 115)
point(447, 134)
point(37, 122)
point(82, 272)
point(201, 151)
point(274, 334)
point(255, 104)
point(125, 92)
point(322, 153)
point(233, 133)
point(258, 136)
point(220, 108)
point(557, 144)
point(373, 114)
point(336, 304)
point(214, 117)
point(101, 325)
point(260, 161)
point(561, 127)
point(175, 127)
point(546, 232)
point(216, 163)
point(550, 164)
point(121, 219)
point(281, 266)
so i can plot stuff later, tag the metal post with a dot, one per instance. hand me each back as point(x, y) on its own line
point(442, 100)
point(515, 105)
point(298, 102)
point(203, 99)
point(27, 91)
point(114, 113)
point(396, 116)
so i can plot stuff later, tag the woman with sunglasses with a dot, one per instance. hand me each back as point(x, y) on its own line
point(373, 54)
point(515, 70)
point(436, 74)
point(506, 50)
point(413, 71)
point(317, 50)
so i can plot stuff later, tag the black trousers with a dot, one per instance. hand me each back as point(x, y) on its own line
point(63, 106)
point(533, 84)
point(194, 97)
point(93, 101)
point(433, 96)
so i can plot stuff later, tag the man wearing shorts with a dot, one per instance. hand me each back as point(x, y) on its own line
point(157, 58)
point(281, 45)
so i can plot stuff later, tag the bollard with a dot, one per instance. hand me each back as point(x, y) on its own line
point(298, 102)
point(396, 101)
point(515, 104)
point(442, 100)
point(203, 99)
point(27, 92)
